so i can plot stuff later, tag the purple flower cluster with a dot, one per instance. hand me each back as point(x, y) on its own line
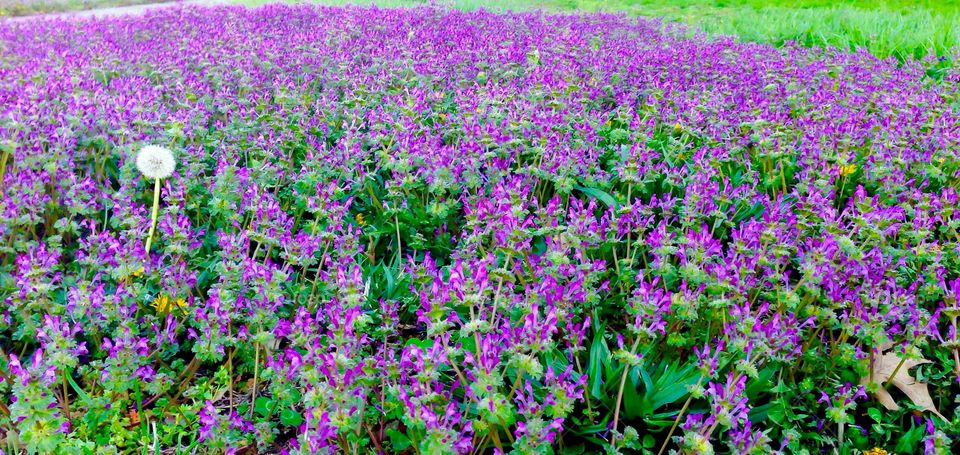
point(421, 230)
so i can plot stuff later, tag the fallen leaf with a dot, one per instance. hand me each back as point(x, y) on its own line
point(884, 366)
point(134, 417)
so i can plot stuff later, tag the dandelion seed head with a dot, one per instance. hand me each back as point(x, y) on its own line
point(155, 162)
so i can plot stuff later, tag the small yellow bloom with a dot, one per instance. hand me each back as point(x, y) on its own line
point(848, 169)
point(678, 126)
point(360, 219)
point(134, 274)
point(877, 451)
point(161, 303)
point(164, 304)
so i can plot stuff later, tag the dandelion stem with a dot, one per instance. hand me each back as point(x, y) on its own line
point(154, 213)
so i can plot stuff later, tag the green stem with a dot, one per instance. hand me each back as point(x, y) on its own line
point(153, 216)
point(623, 383)
point(399, 248)
point(66, 396)
point(676, 421)
point(256, 370)
point(139, 397)
point(896, 370)
point(840, 432)
point(3, 165)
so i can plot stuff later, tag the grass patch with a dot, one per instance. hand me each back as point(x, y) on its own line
point(897, 28)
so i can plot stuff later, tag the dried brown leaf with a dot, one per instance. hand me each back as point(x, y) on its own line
point(884, 367)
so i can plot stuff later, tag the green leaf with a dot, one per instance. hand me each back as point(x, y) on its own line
point(78, 389)
point(760, 413)
point(422, 344)
point(600, 195)
point(634, 404)
point(262, 406)
point(391, 281)
point(909, 441)
point(599, 356)
point(290, 417)
point(875, 414)
point(646, 379)
point(761, 384)
point(599, 427)
point(777, 414)
point(671, 383)
point(398, 440)
point(648, 441)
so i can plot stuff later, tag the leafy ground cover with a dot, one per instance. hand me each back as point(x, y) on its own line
point(436, 231)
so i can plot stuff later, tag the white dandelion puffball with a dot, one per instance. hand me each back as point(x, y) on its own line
point(156, 162)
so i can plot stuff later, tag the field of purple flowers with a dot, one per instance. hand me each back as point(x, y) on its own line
point(427, 231)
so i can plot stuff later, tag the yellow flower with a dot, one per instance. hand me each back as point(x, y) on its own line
point(678, 126)
point(877, 451)
point(360, 219)
point(164, 304)
point(848, 169)
point(161, 303)
point(134, 274)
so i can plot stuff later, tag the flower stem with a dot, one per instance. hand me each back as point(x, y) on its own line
point(256, 370)
point(153, 215)
point(3, 165)
point(623, 383)
point(66, 397)
point(896, 370)
point(138, 395)
point(676, 421)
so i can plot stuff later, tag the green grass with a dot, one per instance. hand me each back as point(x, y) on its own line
point(893, 28)
point(887, 33)
point(897, 28)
